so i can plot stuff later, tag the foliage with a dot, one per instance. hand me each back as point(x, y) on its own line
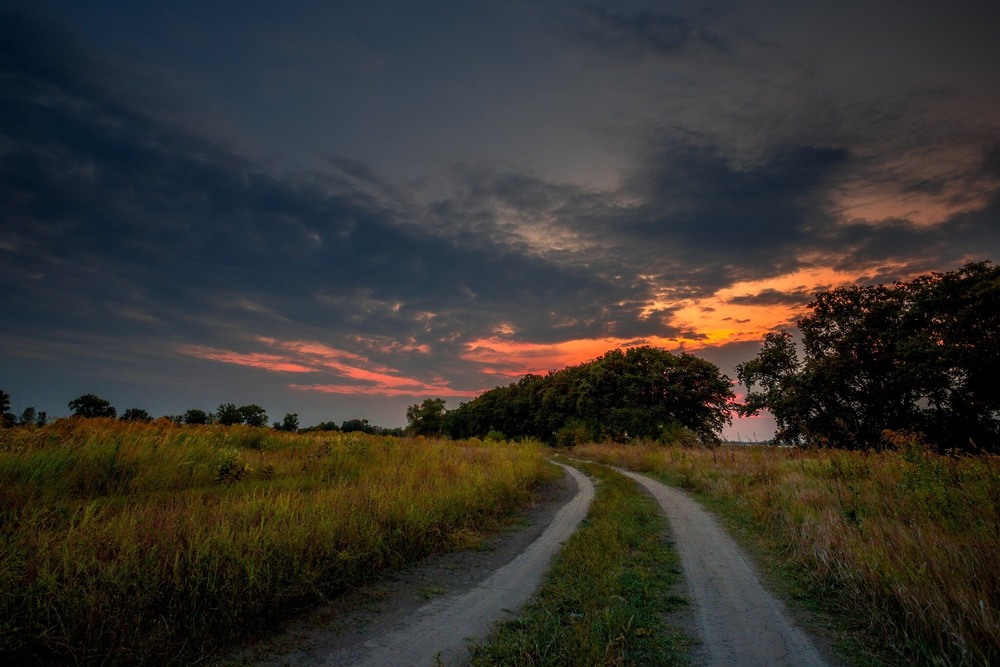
point(228, 414)
point(253, 415)
point(130, 543)
point(426, 418)
point(635, 393)
point(290, 424)
point(322, 426)
point(358, 425)
point(196, 417)
point(921, 355)
point(902, 546)
point(136, 415)
point(606, 596)
point(92, 407)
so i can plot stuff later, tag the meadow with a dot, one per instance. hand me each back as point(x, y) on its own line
point(900, 547)
point(156, 543)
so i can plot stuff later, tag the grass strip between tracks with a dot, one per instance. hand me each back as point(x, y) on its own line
point(608, 594)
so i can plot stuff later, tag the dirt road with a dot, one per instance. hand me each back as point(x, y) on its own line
point(442, 629)
point(739, 622)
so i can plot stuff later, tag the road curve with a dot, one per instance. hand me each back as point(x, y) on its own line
point(443, 629)
point(739, 621)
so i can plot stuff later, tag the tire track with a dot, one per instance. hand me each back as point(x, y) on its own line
point(441, 631)
point(739, 621)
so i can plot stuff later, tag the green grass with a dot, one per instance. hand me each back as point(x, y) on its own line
point(132, 544)
point(607, 597)
point(899, 549)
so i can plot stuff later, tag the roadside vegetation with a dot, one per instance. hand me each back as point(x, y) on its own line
point(606, 599)
point(128, 543)
point(901, 547)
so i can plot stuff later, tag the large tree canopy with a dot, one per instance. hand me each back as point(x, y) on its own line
point(634, 393)
point(921, 356)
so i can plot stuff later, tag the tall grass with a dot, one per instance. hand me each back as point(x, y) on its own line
point(906, 542)
point(128, 544)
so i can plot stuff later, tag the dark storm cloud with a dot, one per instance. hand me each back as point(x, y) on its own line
point(772, 297)
point(114, 220)
point(962, 237)
point(705, 220)
point(638, 34)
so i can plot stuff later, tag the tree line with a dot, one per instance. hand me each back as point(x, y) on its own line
point(920, 357)
point(91, 406)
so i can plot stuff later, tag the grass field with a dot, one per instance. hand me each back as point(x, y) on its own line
point(605, 600)
point(902, 546)
point(128, 544)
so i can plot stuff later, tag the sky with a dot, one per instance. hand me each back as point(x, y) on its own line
point(339, 209)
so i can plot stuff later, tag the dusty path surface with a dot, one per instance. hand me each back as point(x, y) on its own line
point(739, 622)
point(391, 625)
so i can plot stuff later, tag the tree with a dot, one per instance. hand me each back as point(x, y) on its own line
point(42, 418)
point(426, 418)
point(643, 392)
point(6, 417)
point(253, 415)
point(323, 426)
point(353, 425)
point(90, 406)
point(136, 415)
point(918, 356)
point(228, 414)
point(194, 416)
point(27, 417)
point(289, 424)
point(777, 371)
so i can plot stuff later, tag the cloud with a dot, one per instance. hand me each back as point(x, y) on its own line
point(268, 362)
point(772, 297)
point(357, 375)
point(638, 34)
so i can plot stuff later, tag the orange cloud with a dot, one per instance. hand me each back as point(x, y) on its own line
point(730, 316)
point(508, 358)
point(742, 312)
point(357, 374)
point(268, 362)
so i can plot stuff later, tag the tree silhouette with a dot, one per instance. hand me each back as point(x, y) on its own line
point(91, 406)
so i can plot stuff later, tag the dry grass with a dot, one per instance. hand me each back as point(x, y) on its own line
point(906, 542)
point(157, 543)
